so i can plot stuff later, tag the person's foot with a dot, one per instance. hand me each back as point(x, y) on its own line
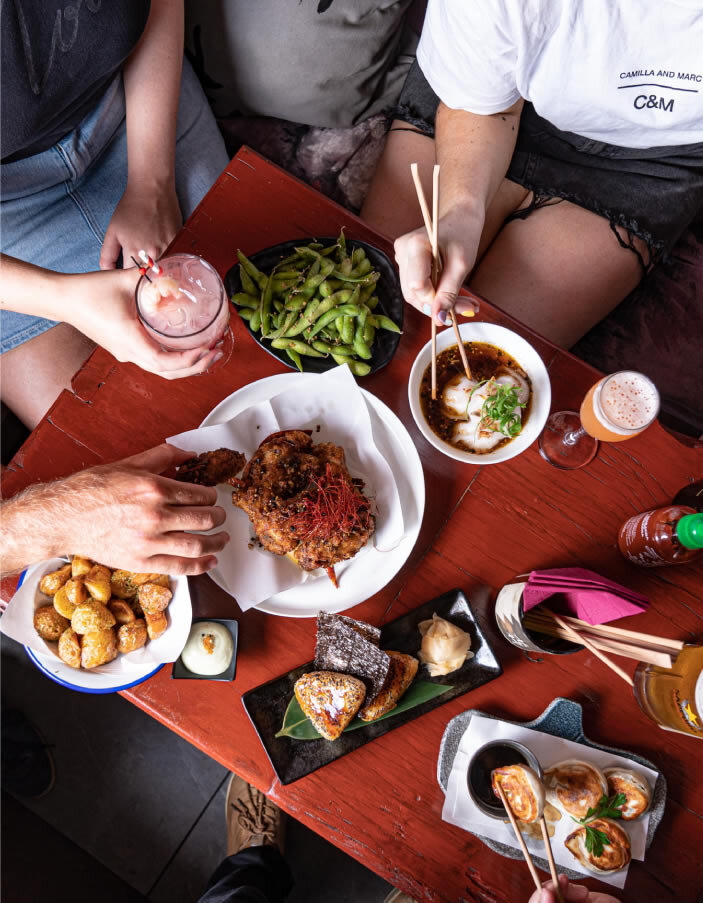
point(27, 765)
point(252, 819)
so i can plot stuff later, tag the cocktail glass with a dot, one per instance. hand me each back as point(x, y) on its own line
point(617, 407)
point(185, 307)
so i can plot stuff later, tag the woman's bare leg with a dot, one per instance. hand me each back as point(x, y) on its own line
point(33, 374)
point(391, 205)
point(559, 271)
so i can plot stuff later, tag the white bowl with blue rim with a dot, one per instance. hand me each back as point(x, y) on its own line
point(106, 678)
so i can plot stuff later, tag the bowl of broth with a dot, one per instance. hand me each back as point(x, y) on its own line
point(496, 414)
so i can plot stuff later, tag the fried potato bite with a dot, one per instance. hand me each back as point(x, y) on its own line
point(92, 616)
point(97, 582)
point(153, 598)
point(49, 624)
point(98, 648)
point(75, 591)
point(52, 583)
point(121, 610)
point(158, 579)
point(63, 604)
point(80, 566)
point(156, 623)
point(70, 648)
point(123, 585)
point(132, 636)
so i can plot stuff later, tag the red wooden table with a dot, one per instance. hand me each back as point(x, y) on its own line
point(482, 526)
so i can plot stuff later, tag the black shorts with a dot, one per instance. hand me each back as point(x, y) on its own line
point(652, 193)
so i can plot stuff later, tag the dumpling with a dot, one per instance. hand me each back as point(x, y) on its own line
point(523, 790)
point(575, 786)
point(445, 647)
point(638, 794)
point(615, 854)
point(456, 395)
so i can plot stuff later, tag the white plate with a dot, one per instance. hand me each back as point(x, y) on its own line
point(366, 576)
point(517, 348)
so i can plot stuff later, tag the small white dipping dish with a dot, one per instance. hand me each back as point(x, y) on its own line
point(517, 348)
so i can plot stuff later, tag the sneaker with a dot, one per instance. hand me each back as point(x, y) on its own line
point(252, 819)
point(27, 765)
point(397, 896)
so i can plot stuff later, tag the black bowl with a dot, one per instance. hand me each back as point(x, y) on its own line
point(495, 754)
point(390, 301)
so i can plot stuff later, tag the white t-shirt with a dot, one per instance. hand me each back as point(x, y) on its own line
point(626, 72)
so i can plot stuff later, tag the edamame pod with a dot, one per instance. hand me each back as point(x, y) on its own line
point(347, 331)
point(259, 278)
point(248, 284)
point(295, 357)
point(296, 345)
point(379, 320)
point(243, 299)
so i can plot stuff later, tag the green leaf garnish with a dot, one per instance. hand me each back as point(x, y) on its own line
point(296, 723)
point(596, 840)
point(499, 408)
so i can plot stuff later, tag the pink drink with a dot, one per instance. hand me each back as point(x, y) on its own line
point(186, 306)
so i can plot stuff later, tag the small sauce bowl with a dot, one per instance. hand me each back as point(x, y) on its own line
point(495, 754)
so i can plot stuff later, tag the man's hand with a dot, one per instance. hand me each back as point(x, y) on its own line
point(125, 515)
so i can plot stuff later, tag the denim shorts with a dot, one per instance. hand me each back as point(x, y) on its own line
point(56, 205)
point(652, 193)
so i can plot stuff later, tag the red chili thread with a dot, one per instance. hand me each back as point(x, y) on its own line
point(334, 505)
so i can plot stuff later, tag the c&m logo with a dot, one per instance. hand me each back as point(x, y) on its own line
point(688, 713)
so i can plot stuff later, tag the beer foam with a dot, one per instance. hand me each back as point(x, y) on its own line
point(629, 400)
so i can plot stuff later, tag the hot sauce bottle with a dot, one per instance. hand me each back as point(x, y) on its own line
point(670, 535)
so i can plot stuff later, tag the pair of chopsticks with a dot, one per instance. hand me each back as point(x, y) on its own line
point(526, 853)
point(431, 225)
point(601, 638)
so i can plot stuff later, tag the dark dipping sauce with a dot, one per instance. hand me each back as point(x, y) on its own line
point(485, 361)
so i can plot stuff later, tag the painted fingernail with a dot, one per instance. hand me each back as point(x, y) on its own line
point(442, 317)
point(211, 563)
point(427, 309)
point(468, 313)
point(217, 357)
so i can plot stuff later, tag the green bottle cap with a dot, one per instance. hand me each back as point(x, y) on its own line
point(689, 531)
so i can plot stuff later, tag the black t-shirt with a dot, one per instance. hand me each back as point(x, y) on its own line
point(58, 58)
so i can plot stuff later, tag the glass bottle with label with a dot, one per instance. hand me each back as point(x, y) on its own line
point(673, 697)
point(669, 535)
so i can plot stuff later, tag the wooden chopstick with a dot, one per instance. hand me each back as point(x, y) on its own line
point(550, 859)
point(598, 654)
point(431, 221)
point(614, 634)
point(616, 647)
point(431, 235)
point(607, 631)
point(520, 839)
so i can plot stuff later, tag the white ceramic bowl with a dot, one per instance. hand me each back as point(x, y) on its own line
point(518, 349)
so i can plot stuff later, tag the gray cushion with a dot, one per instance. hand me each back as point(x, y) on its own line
point(327, 63)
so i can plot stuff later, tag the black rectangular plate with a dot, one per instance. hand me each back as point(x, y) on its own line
point(292, 759)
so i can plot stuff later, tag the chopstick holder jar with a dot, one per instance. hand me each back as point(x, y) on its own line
point(510, 617)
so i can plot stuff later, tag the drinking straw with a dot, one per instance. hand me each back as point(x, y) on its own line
point(148, 261)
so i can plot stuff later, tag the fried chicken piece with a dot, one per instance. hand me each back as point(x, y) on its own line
point(302, 501)
point(211, 468)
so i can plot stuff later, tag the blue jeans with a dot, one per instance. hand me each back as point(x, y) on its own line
point(55, 206)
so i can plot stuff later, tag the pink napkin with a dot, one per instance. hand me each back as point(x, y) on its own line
point(582, 594)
